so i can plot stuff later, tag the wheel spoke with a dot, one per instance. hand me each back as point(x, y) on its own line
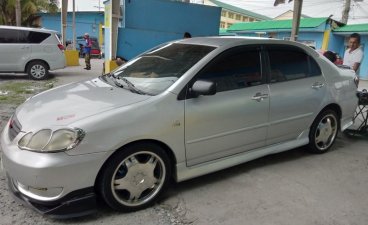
point(328, 124)
point(151, 164)
point(135, 194)
point(319, 139)
point(122, 184)
point(132, 161)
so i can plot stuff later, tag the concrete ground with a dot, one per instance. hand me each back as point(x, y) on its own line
point(289, 188)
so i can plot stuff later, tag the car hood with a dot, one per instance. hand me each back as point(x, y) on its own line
point(69, 103)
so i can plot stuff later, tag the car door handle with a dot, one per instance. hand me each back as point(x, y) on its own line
point(318, 85)
point(259, 97)
point(25, 47)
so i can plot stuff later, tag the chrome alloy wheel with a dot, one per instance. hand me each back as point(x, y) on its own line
point(38, 71)
point(138, 178)
point(326, 132)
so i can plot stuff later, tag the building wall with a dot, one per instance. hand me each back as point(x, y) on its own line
point(152, 22)
point(336, 44)
point(86, 22)
point(229, 17)
point(363, 70)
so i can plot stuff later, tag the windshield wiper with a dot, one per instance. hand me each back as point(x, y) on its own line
point(131, 86)
point(113, 78)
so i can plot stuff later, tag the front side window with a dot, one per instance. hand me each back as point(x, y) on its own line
point(289, 63)
point(155, 71)
point(235, 69)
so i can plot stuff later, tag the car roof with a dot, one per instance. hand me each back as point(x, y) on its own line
point(219, 41)
point(28, 28)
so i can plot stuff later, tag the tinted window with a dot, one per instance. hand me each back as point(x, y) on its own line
point(8, 36)
point(23, 36)
point(237, 68)
point(287, 63)
point(37, 37)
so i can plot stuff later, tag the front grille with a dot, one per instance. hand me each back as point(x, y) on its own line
point(14, 128)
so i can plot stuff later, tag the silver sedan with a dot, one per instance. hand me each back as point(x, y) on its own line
point(183, 109)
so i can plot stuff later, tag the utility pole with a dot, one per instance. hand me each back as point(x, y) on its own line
point(296, 19)
point(18, 13)
point(73, 26)
point(345, 12)
point(64, 13)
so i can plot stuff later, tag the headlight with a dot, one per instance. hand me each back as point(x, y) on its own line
point(48, 140)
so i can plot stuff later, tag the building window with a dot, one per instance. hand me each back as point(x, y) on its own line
point(251, 20)
point(237, 17)
point(245, 19)
point(223, 13)
point(222, 25)
point(231, 15)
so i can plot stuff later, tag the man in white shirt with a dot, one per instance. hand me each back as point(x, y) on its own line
point(353, 55)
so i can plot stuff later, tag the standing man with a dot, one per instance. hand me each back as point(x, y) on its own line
point(353, 55)
point(87, 51)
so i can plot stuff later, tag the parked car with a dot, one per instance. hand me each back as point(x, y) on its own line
point(30, 50)
point(181, 110)
point(95, 49)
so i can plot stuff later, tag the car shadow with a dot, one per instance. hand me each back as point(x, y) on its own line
point(11, 76)
point(21, 76)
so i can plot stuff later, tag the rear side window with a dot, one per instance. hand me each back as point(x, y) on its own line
point(8, 36)
point(37, 37)
point(290, 63)
point(235, 69)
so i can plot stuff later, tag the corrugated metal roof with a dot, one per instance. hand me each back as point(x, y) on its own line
point(223, 32)
point(239, 10)
point(353, 28)
point(277, 24)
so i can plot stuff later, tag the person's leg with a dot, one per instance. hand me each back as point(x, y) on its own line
point(88, 61)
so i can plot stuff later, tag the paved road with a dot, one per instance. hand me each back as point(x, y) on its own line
point(293, 187)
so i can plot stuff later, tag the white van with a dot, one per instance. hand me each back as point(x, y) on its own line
point(31, 50)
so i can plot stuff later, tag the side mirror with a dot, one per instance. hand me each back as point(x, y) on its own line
point(203, 87)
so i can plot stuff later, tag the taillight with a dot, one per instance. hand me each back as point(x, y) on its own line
point(356, 81)
point(61, 47)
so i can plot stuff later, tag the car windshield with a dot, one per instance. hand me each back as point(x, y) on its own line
point(155, 71)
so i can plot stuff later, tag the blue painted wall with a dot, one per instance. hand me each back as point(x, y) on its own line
point(152, 22)
point(336, 44)
point(363, 70)
point(86, 22)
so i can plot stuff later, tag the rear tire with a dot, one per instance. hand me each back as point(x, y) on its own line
point(38, 70)
point(134, 177)
point(323, 132)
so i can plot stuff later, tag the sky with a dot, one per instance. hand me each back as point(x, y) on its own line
point(312, 8)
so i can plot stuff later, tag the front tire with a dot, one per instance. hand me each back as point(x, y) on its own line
point(134, 177)
point(323, 132)
point(38, 70)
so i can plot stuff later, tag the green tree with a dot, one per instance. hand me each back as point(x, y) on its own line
point(29, 8)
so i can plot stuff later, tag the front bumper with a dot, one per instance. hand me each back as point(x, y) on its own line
point(75, 204)
point(56, 184)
